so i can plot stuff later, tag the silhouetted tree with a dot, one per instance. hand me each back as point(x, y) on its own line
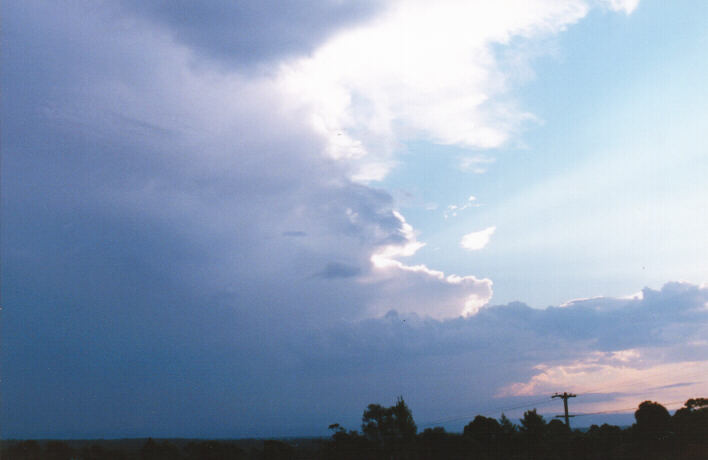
point(375, 422)
point(605, 431)
point(653, 420)
point(604, 440)
point(557, 429)
point(691, 421)
point(437, 433)
point(533, 426)
point(432, 442)
point(345, 445)
point(403, 423)
point(508, 433)
point(484, 430)
point(386, 424)
point(533, 429)
point(557, 438)
point(697, 404)
point(391, 429)
point(507, 428)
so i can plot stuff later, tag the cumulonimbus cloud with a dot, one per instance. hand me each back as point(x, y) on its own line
point(216, 217)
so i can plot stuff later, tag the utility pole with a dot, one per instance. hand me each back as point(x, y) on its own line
point(564, 396)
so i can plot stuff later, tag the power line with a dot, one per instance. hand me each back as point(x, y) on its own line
point(612, 411)
point(535, 403)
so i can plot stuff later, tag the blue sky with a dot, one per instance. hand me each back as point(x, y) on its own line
point(241, 219)
point(597, 192)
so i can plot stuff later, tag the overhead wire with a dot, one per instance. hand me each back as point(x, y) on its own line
point(612, 411)
point(501, 409)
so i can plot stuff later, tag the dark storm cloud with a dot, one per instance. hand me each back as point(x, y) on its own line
point(247, 32)
point(335, 270)
point(143, 208)
point(142, 214)
point(669, 317)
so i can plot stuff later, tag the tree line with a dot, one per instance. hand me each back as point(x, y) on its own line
point(391, 433)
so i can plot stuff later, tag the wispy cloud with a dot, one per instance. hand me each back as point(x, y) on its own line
point(452, 210)
point(477, 164)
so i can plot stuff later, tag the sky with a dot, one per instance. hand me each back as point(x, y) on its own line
point(238, 219)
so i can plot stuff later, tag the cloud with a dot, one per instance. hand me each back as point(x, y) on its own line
point(476, 164)
point(382, 79)
point(247, 33)
point(451, 295)
point(628, 6)
point(612, 359)
point(477, 240)
point(206, 182)
point(335, 270)
point(627, 381)
point(453, 210)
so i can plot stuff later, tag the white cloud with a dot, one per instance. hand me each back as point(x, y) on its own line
point(386, 256)
point(419, 289)
point(419, 69)
point(477, 240)
point(622, 5)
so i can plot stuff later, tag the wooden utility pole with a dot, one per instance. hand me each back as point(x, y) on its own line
point(564, 396)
